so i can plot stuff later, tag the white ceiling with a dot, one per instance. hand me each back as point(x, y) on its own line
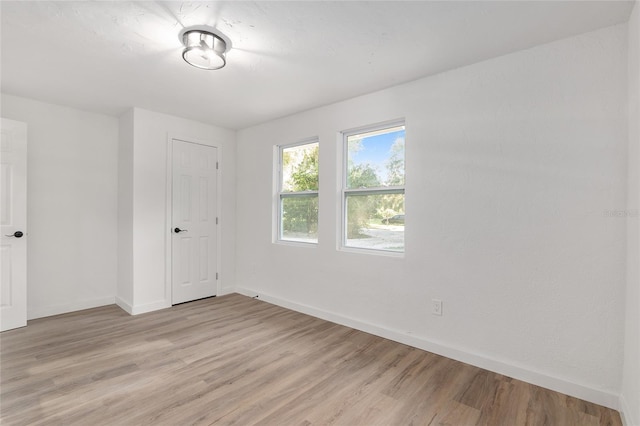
point(287, 56)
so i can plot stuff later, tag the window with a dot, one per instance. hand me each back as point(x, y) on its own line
point(298, 192)
point(373, 188)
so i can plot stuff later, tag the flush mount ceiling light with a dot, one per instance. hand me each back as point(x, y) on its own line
point(204, 47)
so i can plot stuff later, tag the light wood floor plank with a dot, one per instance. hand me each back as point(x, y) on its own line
point(235, 360)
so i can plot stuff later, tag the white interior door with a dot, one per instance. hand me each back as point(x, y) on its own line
point(13, 213)
point(194, 229)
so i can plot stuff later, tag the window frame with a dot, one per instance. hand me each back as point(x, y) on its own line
point(378, 190)
point(280, 195)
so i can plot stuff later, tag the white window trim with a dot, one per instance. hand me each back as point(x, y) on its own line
point(344, 191)
point(278, 194)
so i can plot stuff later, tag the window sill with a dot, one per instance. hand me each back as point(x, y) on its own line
point(386, 253)
point(296, 243)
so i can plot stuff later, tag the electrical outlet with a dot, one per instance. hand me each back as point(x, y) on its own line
point(436, 307)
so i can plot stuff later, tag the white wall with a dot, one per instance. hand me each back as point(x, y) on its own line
point(72, 196)
point(125, 209)
point(631, 373)
point(149, 197)
point(511, 165)
point(96, 205)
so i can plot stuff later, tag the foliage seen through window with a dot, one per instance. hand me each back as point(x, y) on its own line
point(299, 193)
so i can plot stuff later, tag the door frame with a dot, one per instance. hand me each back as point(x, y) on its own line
point(168, 258)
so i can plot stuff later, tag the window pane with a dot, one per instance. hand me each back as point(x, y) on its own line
point(300, 218)
point(376, 158)
point(375, 222)
point(300, 168)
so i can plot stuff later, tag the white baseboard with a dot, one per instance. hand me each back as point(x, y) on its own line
point(626, 415)
point(154, 306)
point(623, 412)
point(141, 309)
point(149, 307)
point(597, 396)
point(226, 290)
point(125, 306)
point(47, 311)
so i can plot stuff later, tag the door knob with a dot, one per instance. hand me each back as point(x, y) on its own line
point(178, 230)
point(17, 234)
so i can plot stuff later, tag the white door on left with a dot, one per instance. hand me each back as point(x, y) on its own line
point(13, 214)
point(194, 230)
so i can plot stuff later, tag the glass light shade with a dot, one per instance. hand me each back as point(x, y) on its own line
point(204, 50)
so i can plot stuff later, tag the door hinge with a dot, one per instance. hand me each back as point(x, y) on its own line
point(216, 220)
point(217, 165)
point(216, 275)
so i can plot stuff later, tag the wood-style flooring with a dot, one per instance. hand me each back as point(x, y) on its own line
point(236, 360)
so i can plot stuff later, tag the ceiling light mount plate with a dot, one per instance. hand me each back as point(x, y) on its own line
point(204, 47)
